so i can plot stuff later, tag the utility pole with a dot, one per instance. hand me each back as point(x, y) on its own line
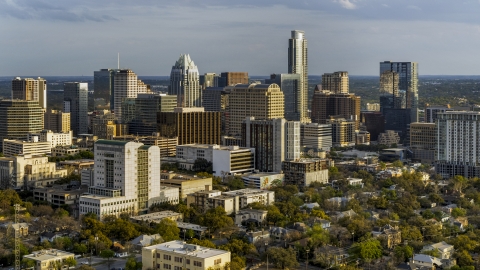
point(17, 238)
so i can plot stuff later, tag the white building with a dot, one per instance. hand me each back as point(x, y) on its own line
point(177, 255)
point(262, 180)
point(249, 215)
point(126, 179)
point(34, 147)
point(55, 139)
point(185, 82)
point(316, 136)
point(226, 160)
point(298, 64)
point(48, 258)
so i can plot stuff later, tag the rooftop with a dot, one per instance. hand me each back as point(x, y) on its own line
point(157, 216)
point(246, 191)
point(181, 247)
point(48, 254)
point(111, 142)
point(191, 226)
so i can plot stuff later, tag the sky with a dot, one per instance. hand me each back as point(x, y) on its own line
point(59, 37)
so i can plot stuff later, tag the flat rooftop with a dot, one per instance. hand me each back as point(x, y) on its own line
point(48, 254)
point(246, 191)
point(191, 226)
point(182, 248)
point(157, 216)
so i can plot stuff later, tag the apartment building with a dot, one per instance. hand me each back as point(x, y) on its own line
point(303, 172)
point(49, 258)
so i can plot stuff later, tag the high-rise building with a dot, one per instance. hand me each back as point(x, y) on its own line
point(126, 179)
point(274, 140)
point(336, 82)
point(423, 141)
point(293, 96)
point(144, 123)
point(374, 123)
point(57, 121)
point(207, 80)
point(232, 78)
point(298, 64)
point(262, 101)
point(30, 89)
point(303, 172)
point(75, 98)
point(458, 144)
point(432, 111)
point(103, 90)
point(212, 99)
point(126, 85)
point(316, 136)
point(18, 118)
point(190, 125)
point(326, 104)
point(407, 81)
point(343, 131)
point(184, 83)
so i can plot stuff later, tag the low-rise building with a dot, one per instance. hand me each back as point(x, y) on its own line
point(303, 172)
point(156, 217)
point(446, 251)
point(186, 184)
point(63, 151)
point(258, 236)
point(60, 195)
point(391, 235)
point(199, 231)
point(257, 216)
point(55, 139)
point(13, 148)
point(177, 255)
point(49, 258)
point(247, 196)
point(262, 180)
point(78, 164)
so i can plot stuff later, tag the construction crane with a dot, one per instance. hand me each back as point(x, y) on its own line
point(16, 228)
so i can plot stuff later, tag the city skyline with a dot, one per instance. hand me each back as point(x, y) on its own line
point(349, 35)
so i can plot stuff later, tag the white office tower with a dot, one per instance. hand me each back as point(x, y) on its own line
point(298, 64)
point(126, 179)
point(458, 144)
point(185, 83)
point(126, 85)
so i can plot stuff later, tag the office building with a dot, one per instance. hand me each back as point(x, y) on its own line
point(103, 86)
point(18, 118)
point(55, 139)
point(274, 140)
point(29, 171)
point(398, 120)
point(167, 145)
point(144, 122)
point(431, 112)
point(186, 184)
point(190, 125)
point(31, 147)
point(316, 136)
point(262, 180)
point(362, 137)
point(458, 144)
point(407, 81)
point(57, 121)
point(373, 107)
point(75, 98)
point(336, 82)
point(126, 179)
point(295, 108)
point(423, 138)
point(48, 258)
point(213, 99)
point(326, 104)
point(106, 126)
point(226, 160)
point(30, 89)
point(58, 196)
point(303, 172)
point(262, 101)
point(207, 80)
point(374, 123)
point(233, 78)
point(298, 64)
point(177, 255)
point(184, 83)
point(126, 85)
point(343, 131)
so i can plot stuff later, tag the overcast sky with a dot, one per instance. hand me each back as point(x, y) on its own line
point(59, 37)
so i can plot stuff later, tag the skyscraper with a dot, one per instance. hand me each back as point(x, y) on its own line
point(336, 82)
point(298, 64)
point(262, 101)
point(57, 121)
point(147, 106)
point(30, 89)
point(126, 85)
point(292, 91)
point(407, 81)
point(232, 78)
point(75, 98)
point(185, 83)
point(103, 86)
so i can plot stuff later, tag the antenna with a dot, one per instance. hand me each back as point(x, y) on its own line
point(118, 61)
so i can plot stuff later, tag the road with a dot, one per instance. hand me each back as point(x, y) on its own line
point(101, 264)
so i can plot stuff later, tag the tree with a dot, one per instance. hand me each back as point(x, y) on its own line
point(80, 248)
point(318, 236)
point(202, 165)
point(464, 243)
point(397, 164)
point(71, 262)
point(168, 230)
point(28, 263)
point(459, 183)
point(463, 258)
point(107, 254)
point(403, 253)
point(215, 219)
point(458, 212)
point(282, 258)
point(236, 263)
point(367, 250)
point(132, 264)
point(203, 242)
point(235, 183)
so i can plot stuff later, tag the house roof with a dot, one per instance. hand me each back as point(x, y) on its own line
point(427, 259)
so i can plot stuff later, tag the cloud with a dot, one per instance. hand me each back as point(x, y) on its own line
point(347, 4)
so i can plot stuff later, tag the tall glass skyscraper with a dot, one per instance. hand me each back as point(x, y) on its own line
point(103, 81)
point(292, 91)
point(298, 64)
point(185, 83)
point(407, 81)
point(75, 98)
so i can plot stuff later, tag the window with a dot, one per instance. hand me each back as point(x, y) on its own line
point(167, 257)
point(197, 263)
point(217, 261)
point(188, 261)
point(178, 259)
point(167, 266)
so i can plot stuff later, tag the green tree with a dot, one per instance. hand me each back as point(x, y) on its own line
point(397, 164)
point(274, 215)
point(80, 248)
point(403, 253)
point(236, 263)
point(203, 242)
point(458, 212)
point(168, 230)
point(202, 165)
point(215, 219)
point(28, 263)
point(318, 236)
point(239, 247)
point(463, 258)
point(434, 252)
point(107, 254)
point(71, 262)
point(132, 264)
point(235, 183)
point(367, 250)
point(464, 243)
point(282, 258)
